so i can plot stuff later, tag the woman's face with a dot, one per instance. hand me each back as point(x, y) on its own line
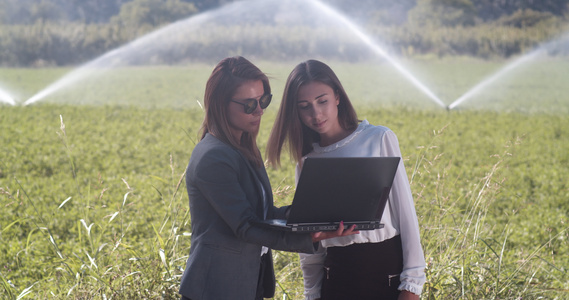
point(239, 121)
point(317, 105)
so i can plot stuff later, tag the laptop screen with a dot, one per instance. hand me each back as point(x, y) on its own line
point(342, 189)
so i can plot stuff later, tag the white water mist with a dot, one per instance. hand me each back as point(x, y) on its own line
point(6, 98)
point(378, 50)
point(493, 78)
point(311, 19)
point(556, 45)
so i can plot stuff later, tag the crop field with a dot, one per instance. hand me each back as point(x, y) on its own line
point(94, 204)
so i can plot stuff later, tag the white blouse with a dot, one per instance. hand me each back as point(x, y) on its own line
point(399, 216)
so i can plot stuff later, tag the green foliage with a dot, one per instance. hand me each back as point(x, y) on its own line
point(483, 41)
point(28, 11)
point(94, 202)
point(153, 13)
point(489, 10)
point(448, 13)
point(58, 33)
point(52, 44)
point(526, 18)
point(32, 11)
point(103, 235)
point(46, 44)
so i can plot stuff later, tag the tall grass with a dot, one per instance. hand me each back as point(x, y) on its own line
point(467, 252)
point(96, 254)
point(115, 236)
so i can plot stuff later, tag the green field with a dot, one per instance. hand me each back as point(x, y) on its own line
point(94, 203)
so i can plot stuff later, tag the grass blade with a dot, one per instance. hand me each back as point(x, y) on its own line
point(63, 203)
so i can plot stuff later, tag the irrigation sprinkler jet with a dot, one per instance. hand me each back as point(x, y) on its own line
point(5, 97)
point(378, 50)
point(508, 68)
point(150, 45)
point(562, 42)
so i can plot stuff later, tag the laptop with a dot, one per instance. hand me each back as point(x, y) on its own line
point(333, 189)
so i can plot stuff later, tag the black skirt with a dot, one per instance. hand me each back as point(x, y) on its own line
point(363, 271)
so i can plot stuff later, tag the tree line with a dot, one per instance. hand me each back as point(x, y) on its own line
point(67, 32)
point(453, 12)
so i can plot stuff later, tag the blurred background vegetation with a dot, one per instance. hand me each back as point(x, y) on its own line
point(37, 33)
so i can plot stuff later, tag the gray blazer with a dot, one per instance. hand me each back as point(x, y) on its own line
point(225, 200)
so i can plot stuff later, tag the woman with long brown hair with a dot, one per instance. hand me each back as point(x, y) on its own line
point(317, 119)
point(229, 191)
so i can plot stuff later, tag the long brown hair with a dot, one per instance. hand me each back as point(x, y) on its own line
point(225, 79)
point(288, 126)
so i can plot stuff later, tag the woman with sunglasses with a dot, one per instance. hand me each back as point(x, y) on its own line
point(317, 119)
point(229, 191)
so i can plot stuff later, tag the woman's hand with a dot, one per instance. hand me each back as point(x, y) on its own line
point(322, 235)
point(406, 295)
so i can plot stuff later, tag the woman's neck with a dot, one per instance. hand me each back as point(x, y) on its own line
point(329, 139)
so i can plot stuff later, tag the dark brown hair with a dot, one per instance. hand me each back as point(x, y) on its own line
point(226, 78)
point(288, 126)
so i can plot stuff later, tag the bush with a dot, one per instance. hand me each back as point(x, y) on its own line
point(60, 44)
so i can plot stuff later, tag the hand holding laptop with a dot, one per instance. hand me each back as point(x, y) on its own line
point(354, 190)
point(322, 235)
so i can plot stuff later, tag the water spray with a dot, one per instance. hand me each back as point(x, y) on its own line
point(149, 45)
point(378, 50)
point(116, 57)
point(508, 68)
point(5, 97)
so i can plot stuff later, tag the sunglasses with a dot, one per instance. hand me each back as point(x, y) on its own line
point(250, 105)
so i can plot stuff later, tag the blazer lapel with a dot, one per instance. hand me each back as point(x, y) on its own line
point(260, 178)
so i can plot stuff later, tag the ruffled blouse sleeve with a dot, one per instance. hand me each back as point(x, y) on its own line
point(404, 216)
